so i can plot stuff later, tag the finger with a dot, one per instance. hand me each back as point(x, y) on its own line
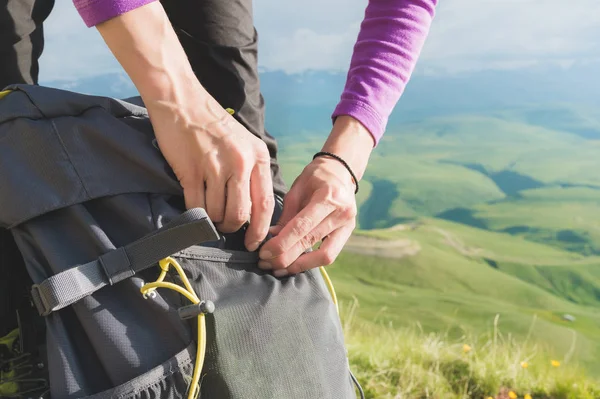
point(330, 224)
point(324, 256)
point(215, 199)
point(237, 208)
point(194, 195)
point(298, 227)
point(263, 204)
point(291, 207)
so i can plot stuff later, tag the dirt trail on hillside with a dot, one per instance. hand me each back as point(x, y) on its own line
point(396, 249)
point(458, 244)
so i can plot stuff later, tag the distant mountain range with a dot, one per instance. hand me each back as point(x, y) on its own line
point(303, 102)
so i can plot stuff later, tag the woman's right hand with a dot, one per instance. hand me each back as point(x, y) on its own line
point(221, 166)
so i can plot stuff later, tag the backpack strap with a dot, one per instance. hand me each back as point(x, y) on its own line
point(65, 288)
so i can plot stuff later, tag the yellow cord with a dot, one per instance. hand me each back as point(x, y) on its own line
point(330, 288)
point(4, 93)
point(188, 292)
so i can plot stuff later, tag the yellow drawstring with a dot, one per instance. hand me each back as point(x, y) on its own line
point(4, 93)
point(189, 293)
point(329, 285)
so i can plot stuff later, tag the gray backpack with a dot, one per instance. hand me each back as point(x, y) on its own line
point(99, 219)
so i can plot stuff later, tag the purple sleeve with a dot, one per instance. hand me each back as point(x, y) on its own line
point(389, 43)
point(94, 12)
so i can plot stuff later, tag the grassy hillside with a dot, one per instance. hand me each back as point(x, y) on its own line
point(564, 117)
point(450, 277)
point(410, 363)
point(489, 172)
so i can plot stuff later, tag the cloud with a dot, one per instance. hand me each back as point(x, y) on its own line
point(499, 34)
point(306, 49)
point(72, 50)
point(296, 36)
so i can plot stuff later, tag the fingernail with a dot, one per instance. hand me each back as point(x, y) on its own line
point(280, 273)
point(266, 255)
point(253, 246)
point(264, 265)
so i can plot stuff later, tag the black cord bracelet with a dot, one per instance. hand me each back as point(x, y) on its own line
point(329, 154)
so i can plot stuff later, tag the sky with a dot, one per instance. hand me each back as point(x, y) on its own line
point(296, 36)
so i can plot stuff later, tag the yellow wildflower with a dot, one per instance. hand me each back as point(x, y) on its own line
point(512, 395)
point(555, 363)
point(528, 396)
point(466, 348)
point(524, 365)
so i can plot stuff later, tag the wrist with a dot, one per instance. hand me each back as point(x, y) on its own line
point(351, 141)
point(340, 161)
point(187, 102)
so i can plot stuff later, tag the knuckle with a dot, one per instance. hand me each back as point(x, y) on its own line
point(349, 212)
point(301, 226)
point(353, 224)
point(336, 191)
point(266, 202)
point(215, 217)
point(333, 196)
point(239, 217)
point(212, 166)
point(278, 252)
point(328, 258)
point(262, 152)
point(279, 262)
point(240, 159)
point(309, 240)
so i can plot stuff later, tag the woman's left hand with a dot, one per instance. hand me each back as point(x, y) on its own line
point(320, 206)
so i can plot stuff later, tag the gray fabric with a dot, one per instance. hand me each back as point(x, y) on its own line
point(169, 380)
point(113, 335)
point(268, 337)
point(69, 286)
point(84, 180)
point(60, 143)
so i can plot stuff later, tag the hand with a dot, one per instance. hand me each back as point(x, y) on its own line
point(320, 204)
point(221, 166)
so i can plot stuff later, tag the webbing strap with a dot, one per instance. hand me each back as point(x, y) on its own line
point(65, 288)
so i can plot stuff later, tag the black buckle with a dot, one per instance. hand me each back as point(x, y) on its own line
point(39, 300)
point(189, 311)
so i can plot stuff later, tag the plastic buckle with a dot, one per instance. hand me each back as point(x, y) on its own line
point(39, 300)
point(204, 307)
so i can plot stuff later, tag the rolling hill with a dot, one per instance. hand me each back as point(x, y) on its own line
point(450, 277)
point(482, 171)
